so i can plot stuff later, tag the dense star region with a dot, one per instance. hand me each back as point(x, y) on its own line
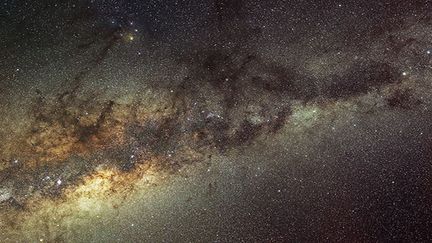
point(215, 121)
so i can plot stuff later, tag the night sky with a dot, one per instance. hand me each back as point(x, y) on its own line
point(215, 121)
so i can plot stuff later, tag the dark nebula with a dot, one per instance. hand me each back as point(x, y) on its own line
point(215, 121)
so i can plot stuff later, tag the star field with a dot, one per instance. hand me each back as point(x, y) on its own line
point(215, 121)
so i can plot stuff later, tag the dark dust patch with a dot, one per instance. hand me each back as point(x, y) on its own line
point(402, 98)
point(99, 43)
point(85, 132)
point(362, 78)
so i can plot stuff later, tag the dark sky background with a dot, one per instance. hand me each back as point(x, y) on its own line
point(215, 121)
